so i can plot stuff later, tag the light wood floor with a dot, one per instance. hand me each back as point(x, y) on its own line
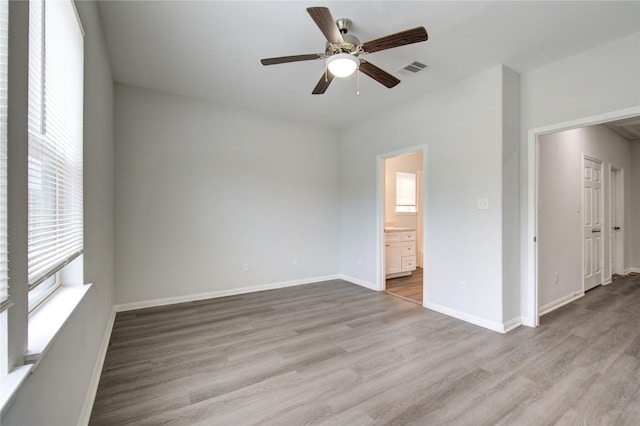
point(335, 353)
point(408, 288)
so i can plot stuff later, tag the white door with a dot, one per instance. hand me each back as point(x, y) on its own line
point(592, 223)
point(615, 221)
point(612, 221)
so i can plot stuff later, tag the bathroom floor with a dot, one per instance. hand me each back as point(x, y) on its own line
point(408, 288)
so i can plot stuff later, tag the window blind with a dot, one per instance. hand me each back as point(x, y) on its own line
point(5, 302)
point(405, 192)
point(55, 211)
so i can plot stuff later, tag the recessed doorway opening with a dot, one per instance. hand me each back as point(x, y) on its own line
point(566, 248)
point(402, 225)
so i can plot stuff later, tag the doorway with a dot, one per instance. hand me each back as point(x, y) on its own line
point(592, 222)
point(403, 218)
point(532, 257)
point(616, 221)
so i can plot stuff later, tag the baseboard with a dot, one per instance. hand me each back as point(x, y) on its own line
point(634, 270)
point(482, 322)
point(358, 281)
point(220, 293)
point(85, 414)
point(512, 324)
point(525, 321)
point(545, 309)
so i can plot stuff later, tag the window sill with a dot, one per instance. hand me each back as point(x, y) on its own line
point(46, 322)
point(10, 385)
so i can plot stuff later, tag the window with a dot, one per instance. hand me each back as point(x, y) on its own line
point(406, 193)
point(55, 213)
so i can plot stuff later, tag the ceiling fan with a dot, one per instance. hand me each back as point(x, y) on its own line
point(342, 51)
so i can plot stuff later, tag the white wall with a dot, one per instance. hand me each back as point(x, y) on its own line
point(559, 212)
point(202, 188)
point(511, 196)
point(598, 81)
point(54, 394)
point(634, 246)
point(462, 126)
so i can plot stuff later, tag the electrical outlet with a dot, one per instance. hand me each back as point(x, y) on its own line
point(295, 261)
point(556, 278)
point(359, 261)
point(245, 267)
point(464, 287)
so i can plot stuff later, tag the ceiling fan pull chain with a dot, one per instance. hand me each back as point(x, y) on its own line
point(358, 81)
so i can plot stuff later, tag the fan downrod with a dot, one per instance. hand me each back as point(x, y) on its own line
point(344, 25)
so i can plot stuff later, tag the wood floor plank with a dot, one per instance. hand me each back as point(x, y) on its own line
point(408, 288)
point(334, 353)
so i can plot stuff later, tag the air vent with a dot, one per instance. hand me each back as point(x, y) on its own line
point(412, 69)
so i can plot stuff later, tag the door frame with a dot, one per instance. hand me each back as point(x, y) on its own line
point(586, 157)
point(619, 207)
point(380, 216)
point(529, 256)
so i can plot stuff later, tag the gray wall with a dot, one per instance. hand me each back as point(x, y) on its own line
point(560, 195)
point(510, 195)
point(202, 189)
point(634, 246)
point(462, 127)
point(598, 81)
point(55, 393)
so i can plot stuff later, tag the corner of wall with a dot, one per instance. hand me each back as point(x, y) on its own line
point(510, 193)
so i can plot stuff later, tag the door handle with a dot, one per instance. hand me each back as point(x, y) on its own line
point(595, 231)
point(616, 228)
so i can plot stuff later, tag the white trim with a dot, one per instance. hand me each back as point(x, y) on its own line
point(220, 293)
point(512, 324)
point(482, 322)
point(85, 414)
point(620, 200)
point(564, 300)
point(529, 256)
point(10, 384)
point(46, 322)
point(380, 218)
point(524, 321)
point(358, 281)
point(634, 270)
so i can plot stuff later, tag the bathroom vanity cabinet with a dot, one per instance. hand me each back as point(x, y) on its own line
point(400, 252)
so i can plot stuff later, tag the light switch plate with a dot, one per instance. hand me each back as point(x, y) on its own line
point(482, 204)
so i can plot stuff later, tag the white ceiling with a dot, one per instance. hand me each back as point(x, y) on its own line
point(212, 49)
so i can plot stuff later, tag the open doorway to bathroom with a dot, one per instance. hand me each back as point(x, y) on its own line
point(403, 226)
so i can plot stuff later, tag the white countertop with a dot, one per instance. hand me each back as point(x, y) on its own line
point(398, 229)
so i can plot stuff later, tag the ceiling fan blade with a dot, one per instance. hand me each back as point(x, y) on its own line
point(378, 74)
point(294, 58)
point(323, 83)
point(323, 19)
point(414, 35)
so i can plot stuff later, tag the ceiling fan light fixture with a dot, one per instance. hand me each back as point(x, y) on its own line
point(342, 64)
